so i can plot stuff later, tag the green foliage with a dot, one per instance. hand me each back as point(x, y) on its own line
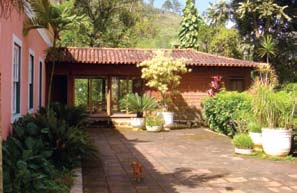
point(139, 104)
point(218, 13)
point(241, 120)
point(163, 73)
point(111, 23)
point(218, 110)
point(268, 48)
point(43, 149)
point(225, 42)
point(243, 141)
point(188, 35)
point(167, 5)
point(254, 127)
point(160, 31)
point(154, 120)
point(273, 109)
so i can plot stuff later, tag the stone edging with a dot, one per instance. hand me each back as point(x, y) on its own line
point(77, 182)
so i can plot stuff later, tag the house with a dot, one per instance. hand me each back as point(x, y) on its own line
point(22, 68)
point(100, 77)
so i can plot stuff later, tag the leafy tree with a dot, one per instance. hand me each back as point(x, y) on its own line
point(188, 35)
point(163, 73)
point(176, 6)
point(112, 23)
point(52, 17)
point(220, 40)
point(256, 19)
point(218, 13)
point(263, 16)
point(167, 5)
point(151, 2)
point(226, 42)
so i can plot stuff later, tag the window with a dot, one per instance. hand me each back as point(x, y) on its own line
point(31, 82)
point(40, 85)
point(91, 92)
point(120, 87)
point(16, 76)
point(237, 84)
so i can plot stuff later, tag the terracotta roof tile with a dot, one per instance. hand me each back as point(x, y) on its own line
point(135, 56)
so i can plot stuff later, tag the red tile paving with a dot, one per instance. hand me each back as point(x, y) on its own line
point(181, 161)
point(135, 56)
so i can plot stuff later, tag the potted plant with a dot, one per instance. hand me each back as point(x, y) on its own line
point(275, 111)
point(255, 133)
point(134, 103)
point(154, 123)
point(243, 144)
point(163, 73)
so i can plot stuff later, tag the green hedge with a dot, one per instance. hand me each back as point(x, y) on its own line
point(218, 110)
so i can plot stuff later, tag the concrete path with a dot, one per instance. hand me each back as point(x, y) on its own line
point(181, 161)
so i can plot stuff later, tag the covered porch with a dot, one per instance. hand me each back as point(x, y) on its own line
point(99, 78)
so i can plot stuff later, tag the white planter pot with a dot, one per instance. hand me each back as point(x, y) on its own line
point(137, 122)
point(168, 118)
point(276, 142)
point(154, 128)
point(256, 137)
point(243, 151)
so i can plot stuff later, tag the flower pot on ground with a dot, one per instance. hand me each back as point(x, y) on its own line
point(276, 142)
point(134, 103)
point(275, 111)
point(243, 144)
point(137, 123)
point(255, 133)
point(168, 118)
point(154, 123)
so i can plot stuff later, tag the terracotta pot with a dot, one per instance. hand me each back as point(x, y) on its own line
point(276, 142)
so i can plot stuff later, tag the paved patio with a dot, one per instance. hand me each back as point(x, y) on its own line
point(181, 161)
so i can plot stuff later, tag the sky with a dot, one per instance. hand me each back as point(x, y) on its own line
point(202, 5)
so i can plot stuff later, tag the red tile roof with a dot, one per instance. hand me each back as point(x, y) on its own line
point(135, 56)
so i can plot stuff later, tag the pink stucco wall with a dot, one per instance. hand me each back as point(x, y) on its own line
point(9, 28)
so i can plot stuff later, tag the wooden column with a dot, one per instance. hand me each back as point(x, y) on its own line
point(108, 96)
point(70, 90)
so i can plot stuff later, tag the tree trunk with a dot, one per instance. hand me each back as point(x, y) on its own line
point(49, 94)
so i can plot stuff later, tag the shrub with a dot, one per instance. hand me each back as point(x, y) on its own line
point(154, 120)
point(43, 148)
point(218, 110)
point(273, 109)
point(242, 141)
point(254, 127)
point(138, 104)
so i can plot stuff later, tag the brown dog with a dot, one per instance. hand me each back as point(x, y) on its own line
point(137, 171)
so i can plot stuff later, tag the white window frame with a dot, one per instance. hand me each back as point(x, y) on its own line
point(40, 84)
point(31, 53)
point(16, 41)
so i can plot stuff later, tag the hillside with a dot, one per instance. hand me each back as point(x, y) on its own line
point(167, 26)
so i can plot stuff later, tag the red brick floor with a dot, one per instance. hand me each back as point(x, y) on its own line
point(181, 161)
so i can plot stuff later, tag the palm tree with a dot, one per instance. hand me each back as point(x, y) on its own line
point(268, 48)
point(6, 6)
point(55, 18)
